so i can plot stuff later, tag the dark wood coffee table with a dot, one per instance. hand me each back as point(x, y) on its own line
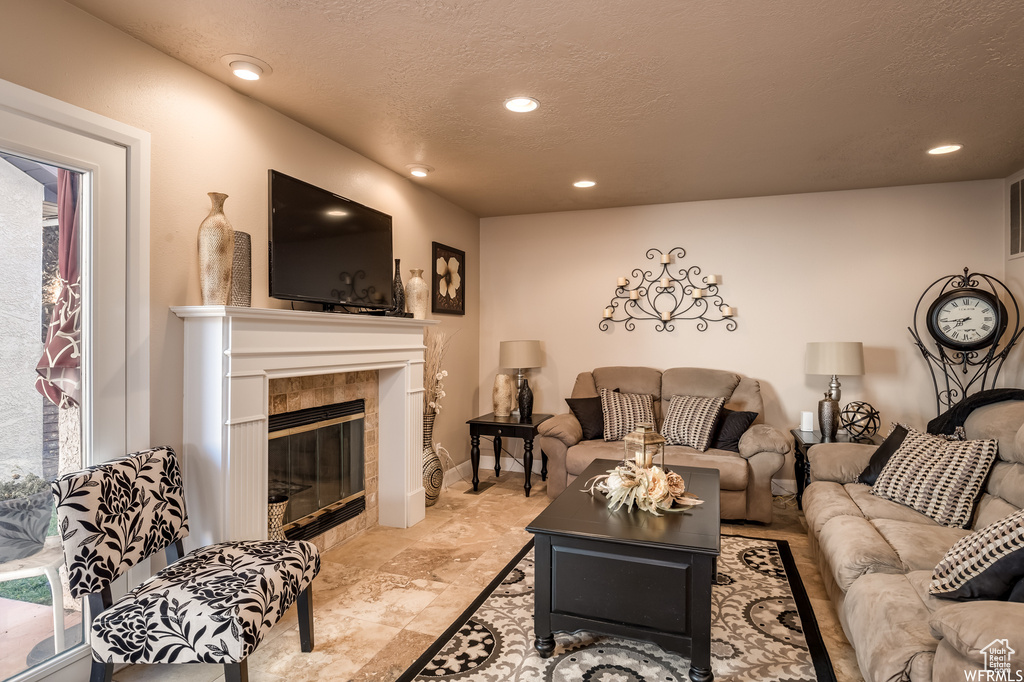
point(629, 574)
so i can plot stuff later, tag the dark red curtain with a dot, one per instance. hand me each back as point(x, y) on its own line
point(60, 373)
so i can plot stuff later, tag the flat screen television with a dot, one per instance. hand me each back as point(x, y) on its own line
point(327, 249)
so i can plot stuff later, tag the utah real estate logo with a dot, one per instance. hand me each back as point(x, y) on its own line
point(998, 664)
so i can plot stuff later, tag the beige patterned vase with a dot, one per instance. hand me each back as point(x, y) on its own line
point(433, 474)
point(241, 271)
point(276, 505)
point(416, 294)
point(216, 252)
point(502, 395)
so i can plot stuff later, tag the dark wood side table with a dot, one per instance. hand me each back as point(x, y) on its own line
point(510, 427)
point(629, 574)
point(802, 442)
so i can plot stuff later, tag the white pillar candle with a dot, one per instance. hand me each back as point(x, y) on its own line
point(665, 282)
point(714, 279)
point(634, 295)
point(727, 311)
point(666, 258)
point(608, 312)
point(622, 281)
point(698, 293)
point(666, 316)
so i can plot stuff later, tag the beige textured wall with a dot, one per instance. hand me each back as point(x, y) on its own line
point(208, 137)
point(842, 266)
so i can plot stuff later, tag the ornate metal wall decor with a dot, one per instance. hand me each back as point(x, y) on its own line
point(669, 295)
point(972, 332)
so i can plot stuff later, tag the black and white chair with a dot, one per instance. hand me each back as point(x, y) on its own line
point(213, 605)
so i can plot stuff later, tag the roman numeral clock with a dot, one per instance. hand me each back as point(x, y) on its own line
point(967, 320)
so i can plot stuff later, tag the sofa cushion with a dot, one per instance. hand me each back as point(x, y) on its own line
point(919, 547)
point(624, 411)
point(888, 624)
point(589, 414)
point(983, 565)
point(1001, 422)
point(1006, 480)
point(881, 456)
point(690, 420)
point(730, 428)
point(877, 508)
point(838, 462)
point(643, 380)
point(853, 547)
point(579, 457)
point(939, 478)
point(732, 468)
point(825, 500)
point(971, 628)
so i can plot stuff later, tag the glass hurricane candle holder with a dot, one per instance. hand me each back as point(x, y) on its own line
point(643, 445)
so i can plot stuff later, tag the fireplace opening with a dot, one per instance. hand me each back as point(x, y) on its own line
point(315, 458)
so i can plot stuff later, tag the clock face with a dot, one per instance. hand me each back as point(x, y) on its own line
point(967, 319)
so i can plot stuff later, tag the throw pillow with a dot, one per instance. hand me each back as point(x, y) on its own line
point(623, 411)
point(589, 414)
point(690, 420)
point(939, 478)
point(731, 427)
point(986, 564)
point(882, 455)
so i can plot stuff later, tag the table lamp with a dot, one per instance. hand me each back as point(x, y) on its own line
point(833, 358)
point(520, 356)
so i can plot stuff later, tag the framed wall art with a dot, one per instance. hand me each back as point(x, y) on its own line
point(448, 282)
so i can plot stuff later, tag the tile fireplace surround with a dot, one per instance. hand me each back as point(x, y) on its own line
point(232, 353)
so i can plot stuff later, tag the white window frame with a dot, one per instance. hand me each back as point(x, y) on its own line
point(74, 663)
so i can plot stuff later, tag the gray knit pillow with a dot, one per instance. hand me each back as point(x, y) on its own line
point(985, 564)
point(623, 411)
point(690, 420)
point(939, 478)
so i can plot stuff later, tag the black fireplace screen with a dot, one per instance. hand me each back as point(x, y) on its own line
point(316, 457)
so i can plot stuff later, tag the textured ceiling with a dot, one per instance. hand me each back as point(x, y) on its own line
point(657, 100)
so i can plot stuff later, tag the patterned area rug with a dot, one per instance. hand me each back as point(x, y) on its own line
point(762, 629)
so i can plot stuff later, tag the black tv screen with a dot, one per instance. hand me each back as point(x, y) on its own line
point(327, 249)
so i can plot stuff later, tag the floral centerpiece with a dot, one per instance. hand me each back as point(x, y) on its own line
point(650, 489)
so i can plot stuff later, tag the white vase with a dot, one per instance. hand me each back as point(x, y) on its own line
point(502, 395)
point(216, 251)
point(416, 295)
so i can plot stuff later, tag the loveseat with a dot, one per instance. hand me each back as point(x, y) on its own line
point(746, 475)
point(877, 558)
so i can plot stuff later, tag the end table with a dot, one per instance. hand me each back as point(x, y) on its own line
point(802, 442)
point(489, 425)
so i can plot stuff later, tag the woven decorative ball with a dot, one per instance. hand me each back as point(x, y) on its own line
point(860, 419)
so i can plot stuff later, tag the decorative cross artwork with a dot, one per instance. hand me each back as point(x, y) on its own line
point(674, 293)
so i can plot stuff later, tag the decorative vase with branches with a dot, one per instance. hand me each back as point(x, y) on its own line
point(434, 375)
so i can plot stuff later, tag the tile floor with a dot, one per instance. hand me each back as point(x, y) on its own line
point(384, 596)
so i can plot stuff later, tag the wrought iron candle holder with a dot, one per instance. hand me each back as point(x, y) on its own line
point(668, 295)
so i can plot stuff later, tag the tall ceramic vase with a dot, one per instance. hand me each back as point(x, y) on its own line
point(397, 293)
point(216, 251)
point(433, 474)
point(416, 294)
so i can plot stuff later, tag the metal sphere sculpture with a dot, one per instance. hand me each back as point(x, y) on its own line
point(860, 419)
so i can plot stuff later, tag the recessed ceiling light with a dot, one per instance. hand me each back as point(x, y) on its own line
point(584, 183)
point(946, 149)
point(419, 170)
point(246, 67)
point(337, 213)
point(521, 105)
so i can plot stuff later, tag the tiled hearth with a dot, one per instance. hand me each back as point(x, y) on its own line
point(298, 393)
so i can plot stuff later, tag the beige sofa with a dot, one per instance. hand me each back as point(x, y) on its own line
point(746, 476)
point(876, 559)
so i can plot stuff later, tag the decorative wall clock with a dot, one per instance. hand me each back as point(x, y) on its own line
point(968, 322)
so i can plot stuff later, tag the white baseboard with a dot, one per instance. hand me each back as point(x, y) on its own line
point(465, 469)
point(783, 486)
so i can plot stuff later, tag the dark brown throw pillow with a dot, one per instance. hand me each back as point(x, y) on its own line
point(589, 414)
point(731, 427)
point(882, 454)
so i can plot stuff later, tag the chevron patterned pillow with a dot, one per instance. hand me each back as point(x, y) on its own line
point(623, 411)
point(985, 564)
point(939, 478)
point(690, 421)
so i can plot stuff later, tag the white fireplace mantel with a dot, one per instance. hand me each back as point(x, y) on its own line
point(231, 354)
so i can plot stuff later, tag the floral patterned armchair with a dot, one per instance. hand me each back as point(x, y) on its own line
point(213, 605)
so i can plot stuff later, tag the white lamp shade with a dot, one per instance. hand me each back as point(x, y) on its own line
point(520, 354)
point(835, 357)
